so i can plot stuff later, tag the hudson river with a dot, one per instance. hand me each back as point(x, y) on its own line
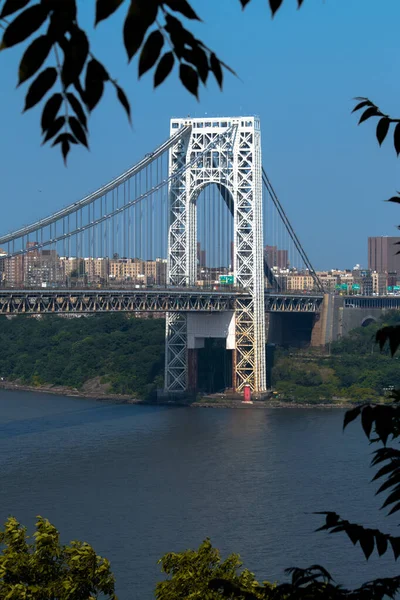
point(137, 482)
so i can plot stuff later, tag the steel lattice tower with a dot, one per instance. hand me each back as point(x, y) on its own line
point(226, 152)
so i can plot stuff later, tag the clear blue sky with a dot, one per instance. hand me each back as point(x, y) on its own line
point(299, 72)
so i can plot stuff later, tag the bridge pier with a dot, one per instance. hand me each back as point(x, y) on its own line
point(192, 369)
point(186, 333)
point(323, 322)
point(176, 359)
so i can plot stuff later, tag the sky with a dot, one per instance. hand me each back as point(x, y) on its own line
point(299, 72)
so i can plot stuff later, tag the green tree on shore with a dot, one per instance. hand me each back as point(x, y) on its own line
point(192, 573)
point(43, 569)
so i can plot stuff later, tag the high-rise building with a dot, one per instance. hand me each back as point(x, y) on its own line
point(382, 256)
point(276, 258)
point(139, 272)
point(379, 283)
point(14, 271)
point(201, 256)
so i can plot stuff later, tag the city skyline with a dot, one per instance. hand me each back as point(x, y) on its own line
point(46, 268)
point(329, 174)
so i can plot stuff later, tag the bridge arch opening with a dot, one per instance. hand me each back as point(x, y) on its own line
point(213, 208)
point(367, 321)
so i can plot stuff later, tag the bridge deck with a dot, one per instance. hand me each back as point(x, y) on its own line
point(45, 301)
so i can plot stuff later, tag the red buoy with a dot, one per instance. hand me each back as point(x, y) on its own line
point(246, 393)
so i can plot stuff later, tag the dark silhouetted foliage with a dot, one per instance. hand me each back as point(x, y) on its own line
point(154, 30)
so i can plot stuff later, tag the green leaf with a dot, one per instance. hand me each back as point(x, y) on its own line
point(12, 6)
point(33, 57)
point(24, 25)
point(50, 111)
point(244, 3)
point(151, 51)
point(105, 8)
point(78, 108)
point(164, 68)
point(78, 131)
point(183, 7)
point(40, 86)
point(394, 199)
point(141, 15)
point(76, 53)
point(216, 69)
point(189, 78)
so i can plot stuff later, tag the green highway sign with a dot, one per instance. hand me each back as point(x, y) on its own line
point(226, 279)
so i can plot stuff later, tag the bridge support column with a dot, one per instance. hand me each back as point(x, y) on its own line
point(321, 331)
point(192, 369)
point(176, 359)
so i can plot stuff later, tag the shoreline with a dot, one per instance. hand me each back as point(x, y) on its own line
point(101, 396)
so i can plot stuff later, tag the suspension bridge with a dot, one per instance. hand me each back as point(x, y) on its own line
point(202, 205)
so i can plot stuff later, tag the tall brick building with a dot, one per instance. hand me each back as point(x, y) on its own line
point(382, 254)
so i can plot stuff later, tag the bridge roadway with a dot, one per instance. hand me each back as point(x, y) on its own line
point(62, 301)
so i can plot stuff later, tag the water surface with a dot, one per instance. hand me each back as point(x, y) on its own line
point(138, 481)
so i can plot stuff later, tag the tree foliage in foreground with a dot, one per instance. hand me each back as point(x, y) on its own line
point(59, 59)
point(43, 569)
point(191, 573)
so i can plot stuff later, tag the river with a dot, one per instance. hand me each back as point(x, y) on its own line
point(137, 481)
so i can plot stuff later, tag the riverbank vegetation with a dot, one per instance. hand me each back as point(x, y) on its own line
point(351, 369)
point(125, 354)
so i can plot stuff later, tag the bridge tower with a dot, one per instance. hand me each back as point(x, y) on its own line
point(226, 152)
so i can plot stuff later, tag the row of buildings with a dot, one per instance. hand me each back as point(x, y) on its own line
point(354, 281)
point(382, 276)
point(43, 268)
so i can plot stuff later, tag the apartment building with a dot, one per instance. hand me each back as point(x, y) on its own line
point(300, 283)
